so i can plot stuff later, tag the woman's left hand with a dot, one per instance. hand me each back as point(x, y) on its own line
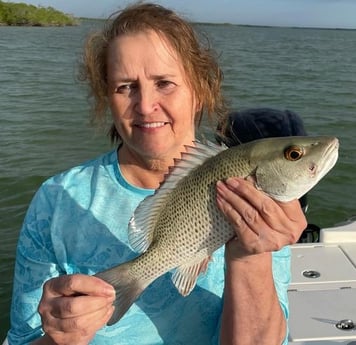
point(261, 224)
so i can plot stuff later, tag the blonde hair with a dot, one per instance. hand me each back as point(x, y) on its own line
point(200, 65)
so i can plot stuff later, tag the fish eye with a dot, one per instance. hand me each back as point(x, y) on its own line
point(293, 153)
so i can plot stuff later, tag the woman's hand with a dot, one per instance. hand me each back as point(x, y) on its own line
point(73, 308)
point(261, 224)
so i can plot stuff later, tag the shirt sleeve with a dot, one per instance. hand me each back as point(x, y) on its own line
point(281, 261)
point(35, 264)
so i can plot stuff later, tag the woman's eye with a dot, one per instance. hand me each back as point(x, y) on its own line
point(165, 84)
point(121, 89)
point(126, 88)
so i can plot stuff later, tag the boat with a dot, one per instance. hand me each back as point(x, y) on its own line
point(322, 293)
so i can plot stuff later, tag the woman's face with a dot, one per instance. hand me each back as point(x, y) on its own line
point(152, 105)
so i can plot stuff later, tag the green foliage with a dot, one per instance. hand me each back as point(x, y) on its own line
point(29, 15)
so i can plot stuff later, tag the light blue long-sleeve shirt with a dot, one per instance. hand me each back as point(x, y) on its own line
point(77, 223)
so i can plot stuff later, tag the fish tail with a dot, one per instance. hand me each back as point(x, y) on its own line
point(127, 288)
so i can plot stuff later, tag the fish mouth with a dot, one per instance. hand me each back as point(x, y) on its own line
point(334, 146)
point(330, 157)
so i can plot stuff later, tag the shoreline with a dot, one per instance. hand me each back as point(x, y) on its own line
point(20, 14)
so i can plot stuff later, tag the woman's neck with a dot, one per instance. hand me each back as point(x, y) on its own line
point(143, 172)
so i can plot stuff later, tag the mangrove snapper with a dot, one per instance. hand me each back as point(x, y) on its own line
point(180, 226)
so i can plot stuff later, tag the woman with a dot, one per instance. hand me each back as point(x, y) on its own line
point(148, 68)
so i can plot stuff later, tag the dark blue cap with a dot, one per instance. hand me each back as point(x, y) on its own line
point(256, 123)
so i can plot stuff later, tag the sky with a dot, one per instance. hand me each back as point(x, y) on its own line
point(300, 13)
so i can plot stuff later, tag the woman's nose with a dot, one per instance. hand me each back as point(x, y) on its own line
point(147, 100)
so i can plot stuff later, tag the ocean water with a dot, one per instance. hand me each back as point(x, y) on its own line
point(44, 113)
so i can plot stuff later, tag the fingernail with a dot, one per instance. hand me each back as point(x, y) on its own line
point(110, 310)
point(232, 182)
point(110, 291)
point(220, 185)
point(111, 298)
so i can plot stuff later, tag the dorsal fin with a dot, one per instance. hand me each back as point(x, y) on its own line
point(142, 223)
point(190, 159)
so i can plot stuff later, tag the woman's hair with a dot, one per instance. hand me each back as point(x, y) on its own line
point(203, 73)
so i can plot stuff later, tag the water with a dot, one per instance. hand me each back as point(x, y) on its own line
point(44, 115)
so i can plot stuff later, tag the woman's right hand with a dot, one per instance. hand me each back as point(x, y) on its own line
point(73, 308)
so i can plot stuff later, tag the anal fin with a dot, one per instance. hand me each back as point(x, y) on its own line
point(185, 277)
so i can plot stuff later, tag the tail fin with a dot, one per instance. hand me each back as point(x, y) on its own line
point(127, 288)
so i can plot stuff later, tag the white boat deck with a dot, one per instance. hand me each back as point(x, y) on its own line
point(322, 294)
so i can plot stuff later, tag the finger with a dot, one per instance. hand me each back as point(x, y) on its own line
point(237, 210)
point(264, 218)
point(86, 324)
point(247, 191)
point(254, 236)
point(76, 330)
point(280, 216)
point(292, 209)
point(67, 307)
point(78, 284)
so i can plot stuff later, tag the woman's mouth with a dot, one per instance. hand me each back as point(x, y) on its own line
point(151, 125)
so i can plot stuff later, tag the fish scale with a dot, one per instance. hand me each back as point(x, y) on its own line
point(180, 226)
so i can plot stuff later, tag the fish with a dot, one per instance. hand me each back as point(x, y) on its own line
point(180, 226)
